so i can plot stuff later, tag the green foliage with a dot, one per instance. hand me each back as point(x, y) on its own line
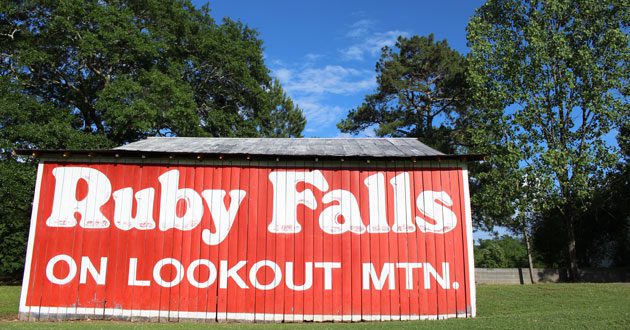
point(490, 256)
point(420, 81)
point(283, 123)
point(503, 252)
point(16, 194)
point(96, 74)
point(549, 82)
point(131, 69)
point(26, 122)
point(603, 229)
point(133, 106)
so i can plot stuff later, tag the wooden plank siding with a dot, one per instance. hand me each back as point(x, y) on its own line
point(341, 267)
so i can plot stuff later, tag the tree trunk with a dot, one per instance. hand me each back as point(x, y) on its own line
point(574, 271)
point(529, 255)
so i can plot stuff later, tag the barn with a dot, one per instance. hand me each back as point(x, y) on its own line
point(250, 229)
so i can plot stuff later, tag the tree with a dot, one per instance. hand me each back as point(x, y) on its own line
point(26, 122)
point(420, 82)
point(282, 123)
point(490, 255)
point(96, 74)
point(16, 187)
point(549, 82)
point(501, 252)
point(131, 69)
point(603, 229)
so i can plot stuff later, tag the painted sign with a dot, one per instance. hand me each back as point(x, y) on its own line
point(249, 243)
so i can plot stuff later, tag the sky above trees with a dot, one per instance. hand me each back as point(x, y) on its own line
point(324, 52)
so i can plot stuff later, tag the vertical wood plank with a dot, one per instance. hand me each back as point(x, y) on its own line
point(354, 249)
point(264, 215)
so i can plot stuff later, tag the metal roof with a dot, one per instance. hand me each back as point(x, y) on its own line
point(336, 147)
point(260, 148)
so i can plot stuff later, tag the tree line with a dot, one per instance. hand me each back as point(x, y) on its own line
point(542, 93)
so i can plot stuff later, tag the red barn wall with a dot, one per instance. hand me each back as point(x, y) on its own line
point(346, 241)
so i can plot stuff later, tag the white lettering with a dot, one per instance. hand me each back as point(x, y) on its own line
point(308, 277)
point(403, 222)
point(328, 268)
point(387, 274)
point(223, 218)
point(65, 204)
point(231, 273)
point(132, 279)
point(286, 198)
point(347, 207)
point(144, 210)
point(212, 276)
point(50, 267)
point(183, 208)
point(385, 279)
point(376, 198)
point(169, 198)
point(277, 275)
point(443, 281)
point(98, 276)
point(409, 267)
point(427, 203)
point(179, 272)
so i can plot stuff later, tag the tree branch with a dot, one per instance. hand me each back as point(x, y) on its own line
point(10, 35)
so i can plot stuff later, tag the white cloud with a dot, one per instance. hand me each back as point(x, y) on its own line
point(360, 28)
point(283, 74)
point(332, 79)
point(352, 53)
point(371, 44)
point(313, 87)
point(366, 133)
point(319, 114)
point(310, 57)
point(366, 41)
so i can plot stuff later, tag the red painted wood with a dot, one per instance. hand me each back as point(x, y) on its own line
point(249, 240)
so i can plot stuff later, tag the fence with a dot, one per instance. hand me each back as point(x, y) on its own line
point(548, 275)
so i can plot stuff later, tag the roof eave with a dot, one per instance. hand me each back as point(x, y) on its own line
point(119, 153)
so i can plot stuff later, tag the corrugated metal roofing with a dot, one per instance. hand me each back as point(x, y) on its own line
point(341, 147)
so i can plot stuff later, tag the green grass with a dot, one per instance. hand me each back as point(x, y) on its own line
point(546, 306)
point(9, 301)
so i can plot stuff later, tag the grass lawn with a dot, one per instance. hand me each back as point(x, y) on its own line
point(548, 306)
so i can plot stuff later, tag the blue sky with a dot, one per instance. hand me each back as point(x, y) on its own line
point(324, 52)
